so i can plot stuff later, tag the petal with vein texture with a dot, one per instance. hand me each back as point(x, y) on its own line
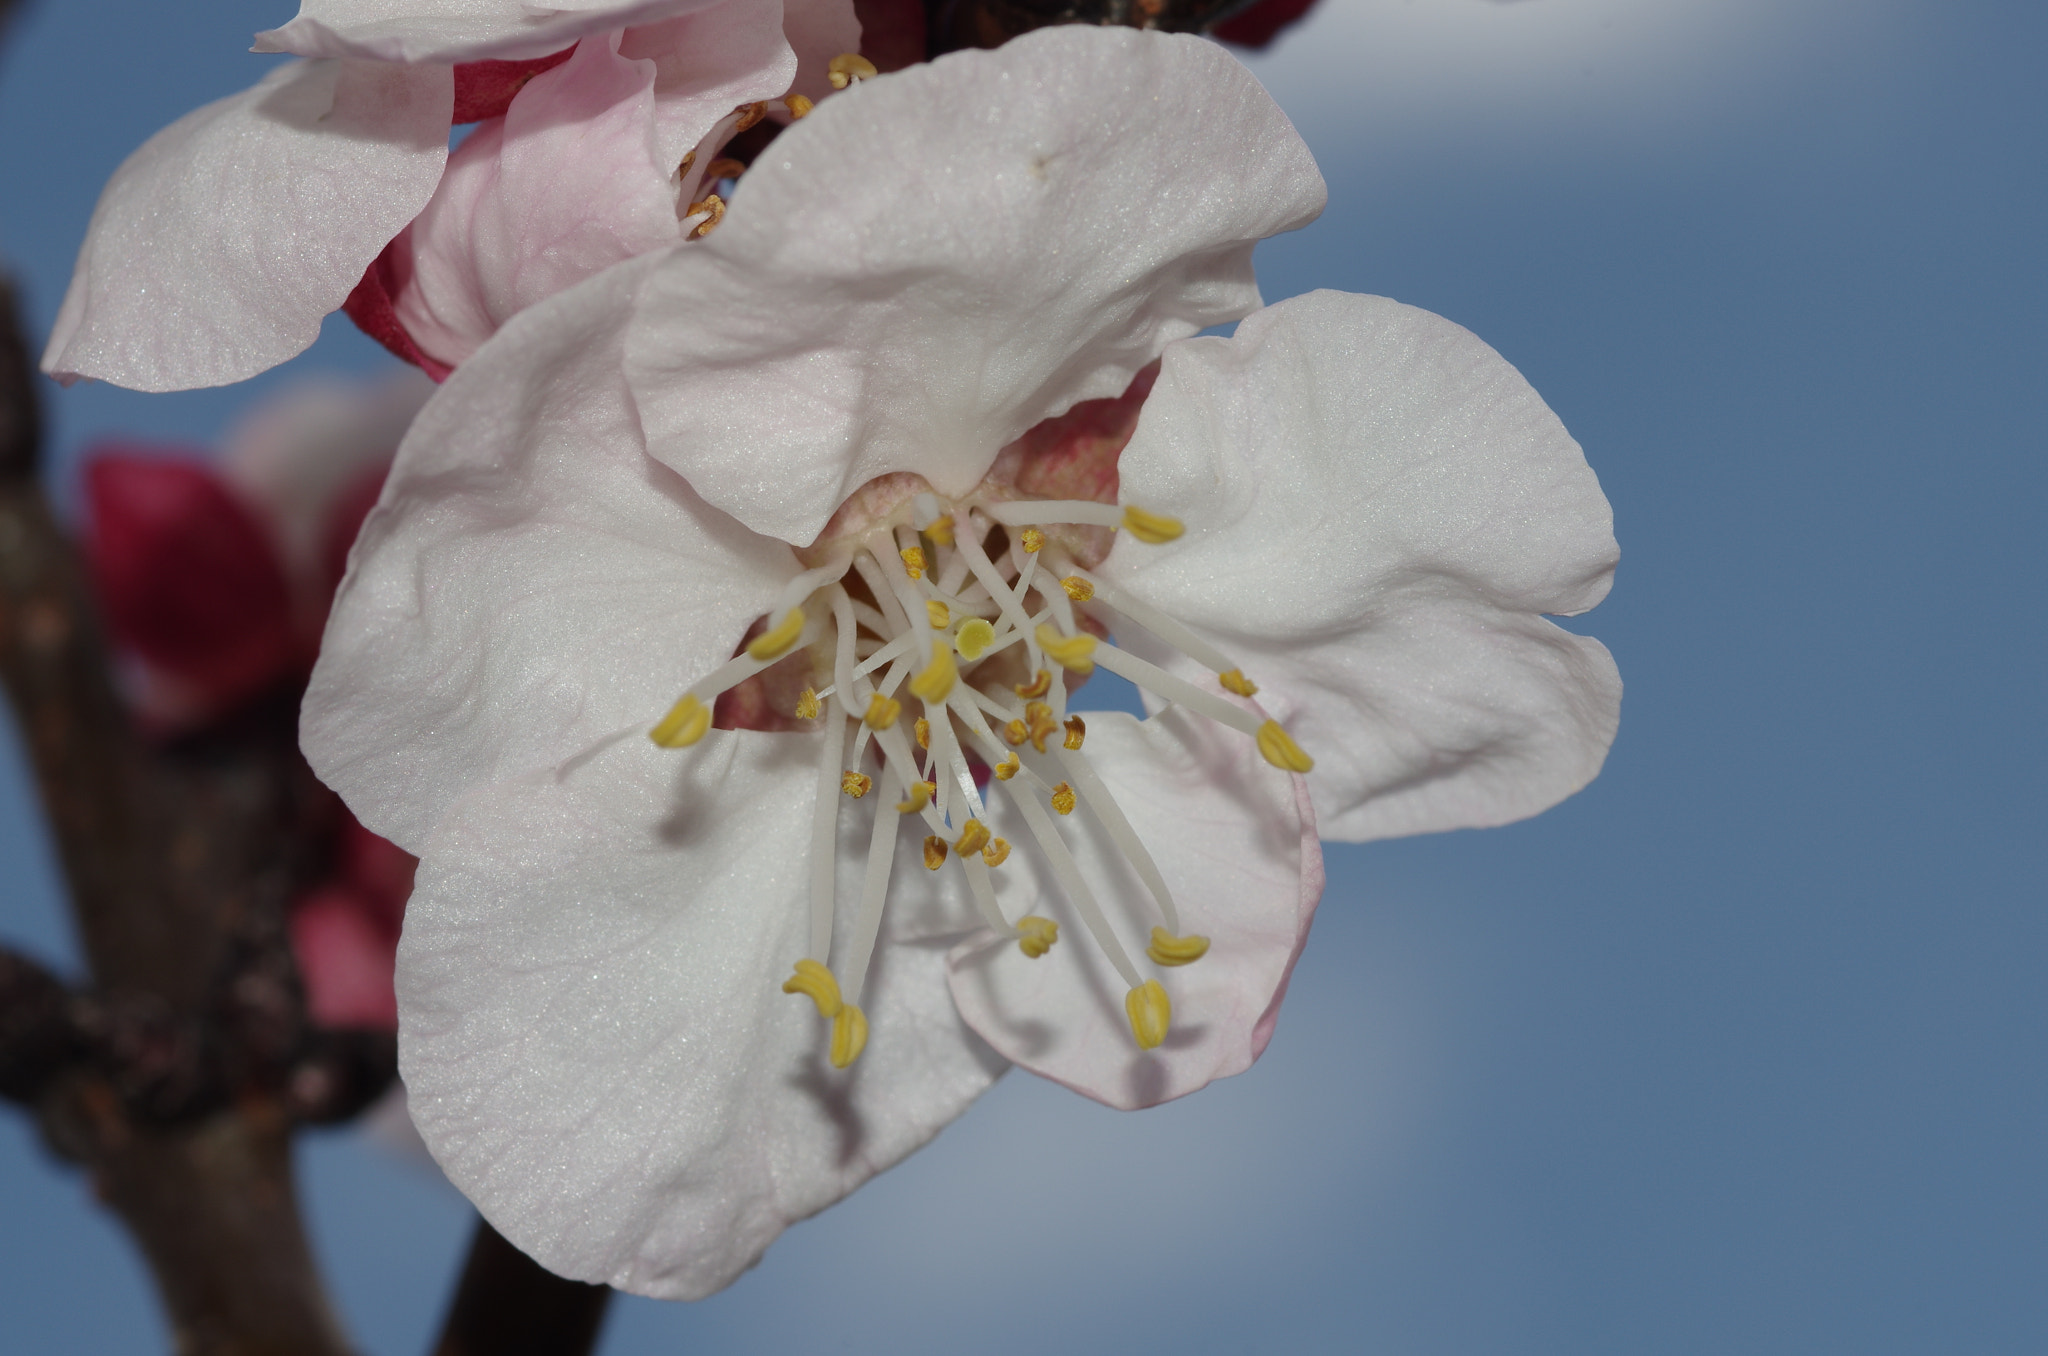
point(1379, 510)
point(1236, 842)
point(594, 1036)
point(529, 584)
point(217, 247)
point(934, 261)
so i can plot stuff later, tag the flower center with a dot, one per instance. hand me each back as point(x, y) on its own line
point(979, 613)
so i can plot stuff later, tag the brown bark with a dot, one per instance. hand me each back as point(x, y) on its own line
point(507, 1304)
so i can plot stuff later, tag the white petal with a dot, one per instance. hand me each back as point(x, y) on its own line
point(1378, 509)
point(819, 30)
point(457, 30)
point(1235, 841)
point(530, 582)
point(593, 1032)
point(217, 247)
point(710, 62)
point(937, 259)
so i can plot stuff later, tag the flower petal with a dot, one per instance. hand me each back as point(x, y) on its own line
point(594, 1036)
point(217, 247)
point(457, 30)
point(819, 30)
point(529, 584)
point(935, 260)
point(1378, 509)
point(1236, 843)
point(708, 63)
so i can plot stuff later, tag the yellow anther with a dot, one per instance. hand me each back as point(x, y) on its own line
point(848, 67)
point(1037, 687)
point(684, 724)
point(923, 731)
point(937, 613)
point(689, 159)
point(1167, 949)
point(712, 204)
point(934, 852)
point(1063, 798)
point(773, 643)
point(940, 531)
point(1074, 653)
point(1151, 528)
point(1077, 730)
point(1008, 767)
point(1016, 734)
point(724, 168)
point(931, 790)
point(797, 105)
point(973, 838)
point(807, 706)
point(749, 115)
point(920, 794)
point(882, 711)
point(1035, 935)
point(913, 560)
point(849, 1036)
point(815, 982)
point(1279, 749)
point(935, 684)
point(1151, 1012)
point(856, 784)
point(973, 638)
point(1039, 716)
point(1079, 589)
point(1032, 540)
point(1235, 681)
point(996, 853)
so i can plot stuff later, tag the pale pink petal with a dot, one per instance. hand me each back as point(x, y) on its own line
point(935, 260)
point(564, 186)
point(217, 247)
point(1235, 841)
point(457, 30)
point(819, 30)
point(530, 582)
point(707, 64)
point(1378, 510)
point(595, 1040)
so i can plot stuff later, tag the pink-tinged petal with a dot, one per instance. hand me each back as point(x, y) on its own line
point(457, 30)
point(565, 186)
point(935, 260)
point(1379, 509)
point(530, 582)
point(217, 247)
point(707, 64)
point(819, 30)
point(595, 1040)
point(373, 306)
point(485, 89)
point(1235, 841)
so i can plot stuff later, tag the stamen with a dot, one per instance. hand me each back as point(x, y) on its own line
point(913, 561)
point(825, 834)
point(973, 838)
point(1151, 528)
point(934, 852)
point(849, 1036)
point(996, 853)
point(1157, 680)
point(923, 731)
point(1036, 934)
point(1150, 1011)
point(1279, 749)
point(940, 530)
point(973, 638)
point(1103, 806)
point(1031, 539)
point(1073, 653)
point(1063, 798)
point(1039, 715)
point(882, 711)
point(1167, 949)
point(797, 105)
point(1083, 899)
point(856, 784)
point(749, 115)
point(1233, 680)
point(1160, 624)
point(684, 724)
point(807, 704)
point(1079, 589)
point(874, 891)
point(724, 168)
point(815, 982)
point(775, 642)
point(712, 208)
point(937, 613)
point(1077, 730)
point(920, 796)
point(848, 67)
point(1035, 688)
point(936, 682)
point(1008, 767)
point(1014, 732)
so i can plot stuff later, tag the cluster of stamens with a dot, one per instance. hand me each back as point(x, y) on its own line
point(969, 610)
point(702, 215)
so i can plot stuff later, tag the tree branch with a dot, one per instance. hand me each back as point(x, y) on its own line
point(507, 1304)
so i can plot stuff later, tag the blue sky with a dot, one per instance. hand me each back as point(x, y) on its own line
point(1741, 1050)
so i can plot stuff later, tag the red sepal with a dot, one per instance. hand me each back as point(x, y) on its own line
point(1259, 25)
point(187, 577)
point(371, 306)
point(484, 89)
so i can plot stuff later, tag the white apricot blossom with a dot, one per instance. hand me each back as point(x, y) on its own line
point(219, 246)
point(856, 477)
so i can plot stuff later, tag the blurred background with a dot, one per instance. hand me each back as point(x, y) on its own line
point(1739, 1050)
